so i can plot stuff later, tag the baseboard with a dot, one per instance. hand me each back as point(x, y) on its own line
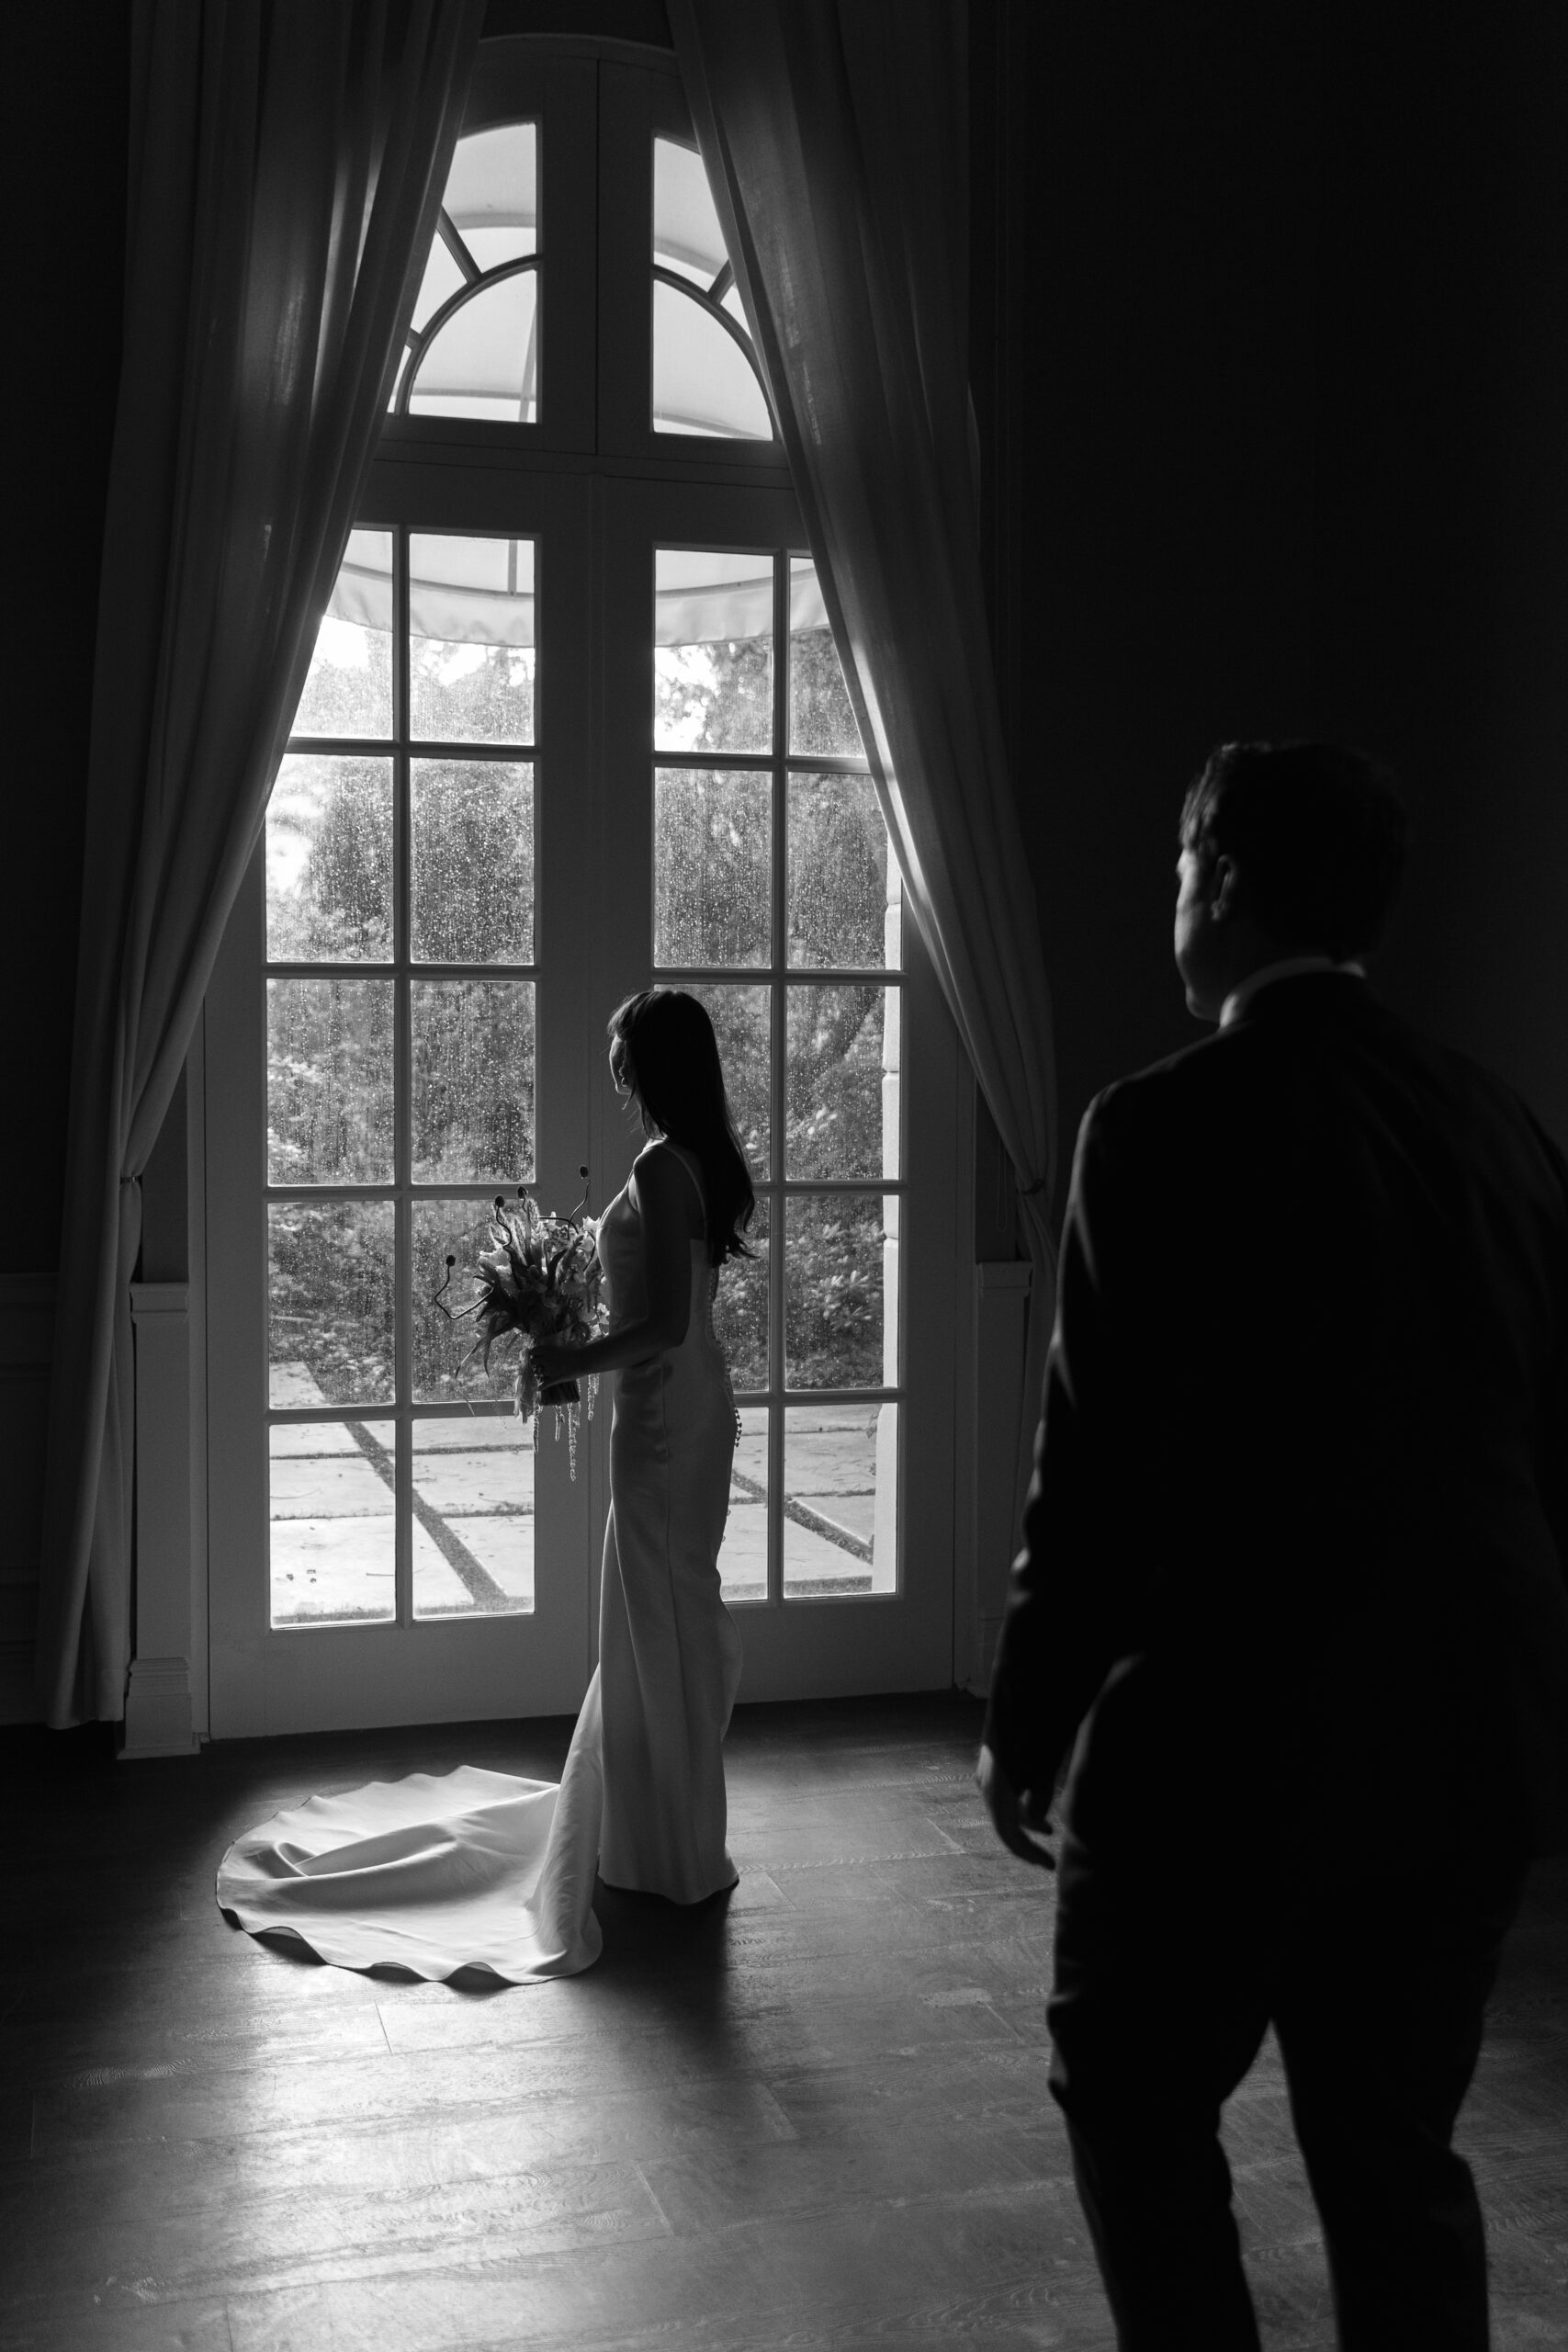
point(157, 1710)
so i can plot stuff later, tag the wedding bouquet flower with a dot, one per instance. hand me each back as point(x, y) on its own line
point(538, 1280)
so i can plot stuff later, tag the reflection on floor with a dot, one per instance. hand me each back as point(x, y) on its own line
point(334, 1530)
point(811, 2114)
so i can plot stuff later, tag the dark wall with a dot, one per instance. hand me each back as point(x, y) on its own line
point(64, 136)
point(1161, 223)
point(1440, 559)
point(1280, 292)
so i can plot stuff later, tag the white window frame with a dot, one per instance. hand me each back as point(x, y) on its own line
point(593, 485)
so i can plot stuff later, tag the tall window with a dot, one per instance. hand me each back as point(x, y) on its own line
point(575, 723)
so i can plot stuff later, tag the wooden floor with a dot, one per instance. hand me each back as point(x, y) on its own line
point(811, 2115)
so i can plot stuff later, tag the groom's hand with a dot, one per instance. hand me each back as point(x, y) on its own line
point(1014, 1813)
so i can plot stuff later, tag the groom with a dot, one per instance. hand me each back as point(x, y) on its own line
point(1292, 1593)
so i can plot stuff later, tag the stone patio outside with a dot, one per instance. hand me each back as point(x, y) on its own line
point(333, 1522)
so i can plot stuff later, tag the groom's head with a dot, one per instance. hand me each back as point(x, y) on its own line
point(1286, 849)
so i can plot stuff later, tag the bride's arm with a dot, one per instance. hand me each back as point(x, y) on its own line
point(667, 1205)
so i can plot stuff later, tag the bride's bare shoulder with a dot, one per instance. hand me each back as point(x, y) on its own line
point(664, 1174)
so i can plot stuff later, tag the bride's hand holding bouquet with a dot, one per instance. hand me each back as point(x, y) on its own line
point(554, 1366)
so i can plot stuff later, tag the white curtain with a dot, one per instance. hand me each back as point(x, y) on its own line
point(835, 135)
point(287, 161)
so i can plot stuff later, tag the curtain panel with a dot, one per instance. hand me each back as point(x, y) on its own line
point(835, 133)
point(287, 163)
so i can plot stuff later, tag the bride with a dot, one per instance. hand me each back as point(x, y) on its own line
point(669, 1653)
point(479, 1868)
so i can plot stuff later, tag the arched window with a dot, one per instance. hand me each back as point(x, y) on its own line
point(575, 722)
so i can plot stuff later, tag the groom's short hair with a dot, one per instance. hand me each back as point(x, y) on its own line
point(1318, 834)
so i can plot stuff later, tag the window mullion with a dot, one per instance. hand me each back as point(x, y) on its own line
point(778, 1010)
point(402, 1069)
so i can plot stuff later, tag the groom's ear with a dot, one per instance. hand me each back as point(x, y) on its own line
point(1226, 889)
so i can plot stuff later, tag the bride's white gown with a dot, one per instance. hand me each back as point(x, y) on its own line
point(476, 1869)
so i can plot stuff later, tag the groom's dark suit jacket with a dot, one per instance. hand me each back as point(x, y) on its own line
point(1296, 1550)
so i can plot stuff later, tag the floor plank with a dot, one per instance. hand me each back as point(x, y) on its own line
point(811, 2114)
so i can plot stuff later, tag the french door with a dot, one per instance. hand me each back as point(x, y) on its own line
point(423, 1028)
point(398, 1029)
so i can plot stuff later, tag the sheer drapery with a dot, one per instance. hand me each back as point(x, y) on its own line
point(835, 135)
point(287, 161)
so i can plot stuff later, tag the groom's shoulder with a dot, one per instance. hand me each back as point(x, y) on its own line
point(1147, 1119)
point(1166, 1090)
point(1228, 1075)
point(1202, 1093)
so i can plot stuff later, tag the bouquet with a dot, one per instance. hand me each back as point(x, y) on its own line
point(539, 1279)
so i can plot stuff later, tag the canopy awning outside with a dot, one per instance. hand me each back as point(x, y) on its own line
point(481, 591)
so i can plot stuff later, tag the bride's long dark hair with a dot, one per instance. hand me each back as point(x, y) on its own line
point(675, 1072)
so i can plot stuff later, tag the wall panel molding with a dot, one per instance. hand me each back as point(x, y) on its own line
point(1001, 1306)
point(158, 1713)
point(27, 1349)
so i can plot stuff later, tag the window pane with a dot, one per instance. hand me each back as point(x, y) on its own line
point(471, 655)
point(333, 1527)
point(473, 861)
point(840, 1500)
point(349, 689)
point(843, 1086)
point(686, 234)
point(843, 887)
point(741, 1308)
point(329, 862)
point(712, 861)
point(712, 652)
point(491, 196)
point(329, 1081)
point(704, 381)
point(840, 1266)
point(446, 1364)
point(473, 1519)
point(330, 1320)
point(743, 1555)
point(740, 1025)
point(441, 279)
point(484, 360)
point(821, 717)
point(472, 1099)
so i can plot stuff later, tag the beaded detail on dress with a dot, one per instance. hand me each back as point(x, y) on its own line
point(717, 1346)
